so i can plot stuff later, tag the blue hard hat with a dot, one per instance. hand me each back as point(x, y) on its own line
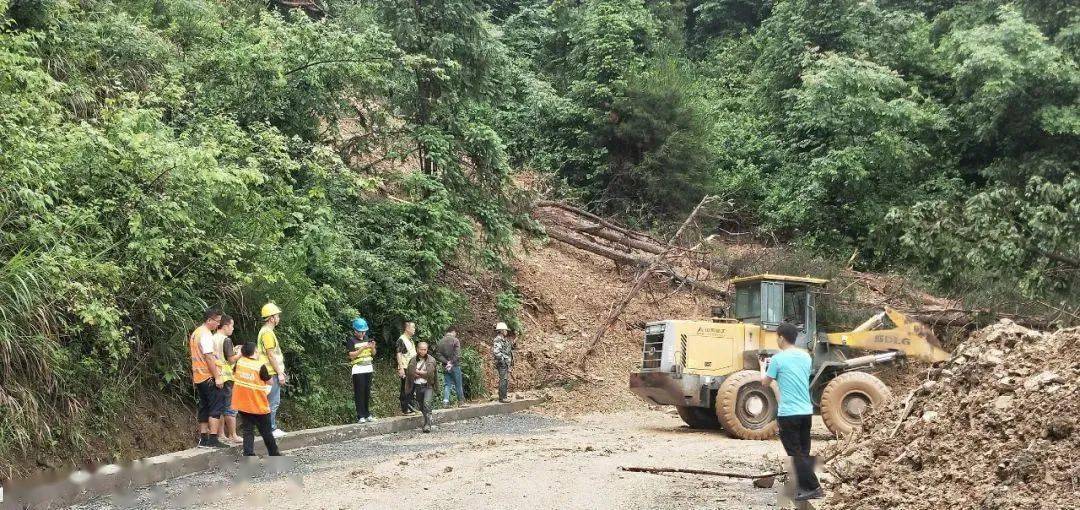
point(359, 324)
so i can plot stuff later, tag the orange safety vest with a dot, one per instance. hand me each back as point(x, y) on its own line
point(250, 391)
point(199, 369)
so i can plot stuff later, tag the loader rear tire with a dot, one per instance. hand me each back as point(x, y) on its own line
point(847, 398)
point(698, 417)
point(745, 407)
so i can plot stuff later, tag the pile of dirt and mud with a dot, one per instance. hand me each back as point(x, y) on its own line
point(566, 295)
point(995, 427)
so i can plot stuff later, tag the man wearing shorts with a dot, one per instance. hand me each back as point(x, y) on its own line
point(226, 355)
point(206, 379)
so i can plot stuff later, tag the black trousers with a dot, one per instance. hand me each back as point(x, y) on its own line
point(406, 399)
point(361, 387)
point(261, 422)
point(424, 394)
point(795, 436)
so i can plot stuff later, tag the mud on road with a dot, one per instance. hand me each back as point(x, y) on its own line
point(521, 461)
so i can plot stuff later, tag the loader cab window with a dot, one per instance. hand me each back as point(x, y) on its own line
point(748, 302)
point(772, 305)
point(795, 300)
point(797, 311)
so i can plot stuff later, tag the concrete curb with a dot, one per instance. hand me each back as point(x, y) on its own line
point(82, 486)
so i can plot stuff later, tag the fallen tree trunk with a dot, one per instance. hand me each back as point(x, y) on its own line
point(935, 311)
point(605, 233)
point(959, 317)
point(618, 256)
point(622, 258)
point(694, 283)
point(599, 220)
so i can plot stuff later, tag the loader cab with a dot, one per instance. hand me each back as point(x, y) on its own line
point(767, 300)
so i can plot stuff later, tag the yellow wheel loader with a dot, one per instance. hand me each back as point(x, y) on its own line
point(711, 370)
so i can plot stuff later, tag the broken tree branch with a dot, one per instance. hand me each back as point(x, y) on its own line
point(640, 281)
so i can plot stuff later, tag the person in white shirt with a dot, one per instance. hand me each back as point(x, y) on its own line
point(207, 379)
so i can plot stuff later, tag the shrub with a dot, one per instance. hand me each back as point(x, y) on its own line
point(472, 373)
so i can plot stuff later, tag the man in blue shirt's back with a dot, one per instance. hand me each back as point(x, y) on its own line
point(791, 369)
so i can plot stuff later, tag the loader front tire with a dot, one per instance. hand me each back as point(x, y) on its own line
point(698, 417)
point(846, 399)
point(745, 407)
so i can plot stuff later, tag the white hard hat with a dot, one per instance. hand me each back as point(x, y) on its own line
point(501, 327)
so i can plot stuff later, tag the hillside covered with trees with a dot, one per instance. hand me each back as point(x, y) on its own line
point(342, 156)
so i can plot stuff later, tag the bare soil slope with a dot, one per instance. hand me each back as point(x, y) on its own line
point(567, 294)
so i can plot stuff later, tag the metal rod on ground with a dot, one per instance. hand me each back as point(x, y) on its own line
point(763, 480)
point(700, 472)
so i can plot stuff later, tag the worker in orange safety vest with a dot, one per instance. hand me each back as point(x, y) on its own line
point(250, 398)
point(207, 379)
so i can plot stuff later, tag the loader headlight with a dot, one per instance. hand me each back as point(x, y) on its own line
point(654, 329)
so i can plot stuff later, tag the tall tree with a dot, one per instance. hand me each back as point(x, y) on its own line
point(456, 72)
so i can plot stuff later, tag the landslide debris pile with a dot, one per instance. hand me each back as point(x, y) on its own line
point(566, 294)
point(994, 428)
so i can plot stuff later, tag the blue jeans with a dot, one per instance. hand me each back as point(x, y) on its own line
point(453, 377)
point(275, 399)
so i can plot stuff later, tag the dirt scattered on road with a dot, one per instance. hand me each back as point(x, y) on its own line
point(994, 428)
point(526, 461)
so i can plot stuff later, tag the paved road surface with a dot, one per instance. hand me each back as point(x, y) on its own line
point(521, 461)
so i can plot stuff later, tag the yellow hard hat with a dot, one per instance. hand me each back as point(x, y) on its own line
point(270, 309)
point(501, 327)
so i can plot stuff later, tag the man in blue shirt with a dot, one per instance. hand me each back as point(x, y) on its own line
point(791, 369)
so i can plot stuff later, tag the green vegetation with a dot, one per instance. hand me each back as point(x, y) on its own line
point(939, 136)
point(160, 157)
point(157, 157)
point(472, 372)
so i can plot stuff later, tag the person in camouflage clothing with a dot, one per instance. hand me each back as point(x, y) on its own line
point(503, 351)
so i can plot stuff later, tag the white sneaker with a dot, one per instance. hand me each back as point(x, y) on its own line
point(362, 420)
point(370, 419)
point(445, 402)
point(279, 433)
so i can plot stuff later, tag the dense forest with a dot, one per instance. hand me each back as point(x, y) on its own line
point(340, 156)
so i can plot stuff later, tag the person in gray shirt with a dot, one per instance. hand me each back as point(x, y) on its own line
point(448, 352)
